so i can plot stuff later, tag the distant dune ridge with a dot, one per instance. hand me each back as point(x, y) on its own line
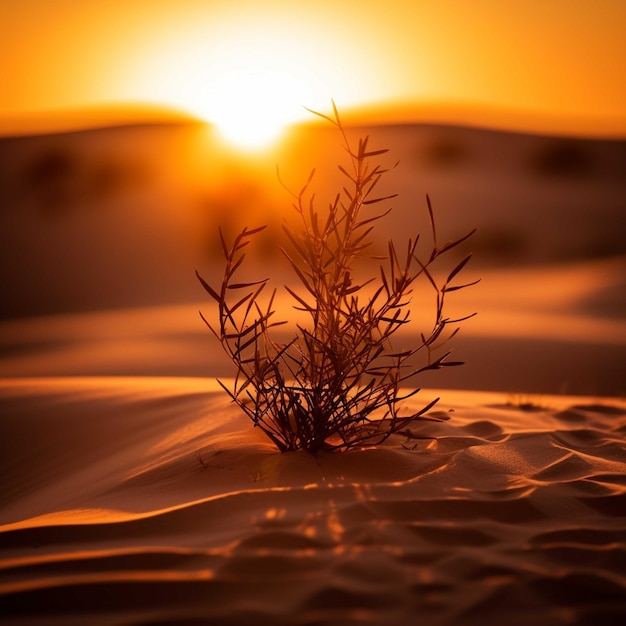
point(135, 207)
point(134, 492)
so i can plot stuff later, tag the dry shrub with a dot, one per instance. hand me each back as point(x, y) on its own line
point(339, 382)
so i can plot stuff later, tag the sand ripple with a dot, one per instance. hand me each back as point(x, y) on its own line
point(181, 515)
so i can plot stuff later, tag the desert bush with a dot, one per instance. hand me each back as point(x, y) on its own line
point(340, 382)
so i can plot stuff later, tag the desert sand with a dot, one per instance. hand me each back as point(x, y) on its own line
point(153, 501)
point(134, 492)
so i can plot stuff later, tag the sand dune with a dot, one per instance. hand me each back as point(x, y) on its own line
point(557, 329)
point(121, 217)
point(133, 492)
point(154, 501)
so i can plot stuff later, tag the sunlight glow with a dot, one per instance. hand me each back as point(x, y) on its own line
point(253, 96)
point(254, 78)
point(252, 107)
point(240, 62)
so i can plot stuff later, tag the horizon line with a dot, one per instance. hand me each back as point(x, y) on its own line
point(110, 115)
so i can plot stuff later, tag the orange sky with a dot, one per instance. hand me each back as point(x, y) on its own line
point(555, 65)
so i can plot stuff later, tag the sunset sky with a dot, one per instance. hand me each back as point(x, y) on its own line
point(543, 64)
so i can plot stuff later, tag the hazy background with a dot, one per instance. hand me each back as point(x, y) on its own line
point(124, 133)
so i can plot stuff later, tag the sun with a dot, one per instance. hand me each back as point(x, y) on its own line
point(250, 82)
point(252, 99)
point(251, 108)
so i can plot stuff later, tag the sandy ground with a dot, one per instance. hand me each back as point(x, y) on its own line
point(539, 330)
point(154, 501)
point(133, 492)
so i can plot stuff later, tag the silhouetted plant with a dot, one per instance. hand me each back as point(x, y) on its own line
point(338, 384)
